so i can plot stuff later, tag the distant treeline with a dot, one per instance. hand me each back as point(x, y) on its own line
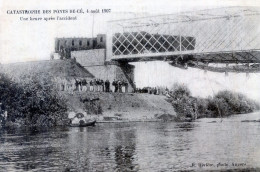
point(32, 102)
point(223, 104)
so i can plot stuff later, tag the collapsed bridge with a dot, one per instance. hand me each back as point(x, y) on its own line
point(229, 36)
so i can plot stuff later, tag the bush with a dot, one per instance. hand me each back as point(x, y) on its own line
point(34, 99)
point(224, 103)
point(186, 107)
point(183, 103)
point(236, 102)
point(93, 107)
point(179, 90)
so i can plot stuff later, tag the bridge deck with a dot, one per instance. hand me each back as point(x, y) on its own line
point(224, 35)
point(250, 56)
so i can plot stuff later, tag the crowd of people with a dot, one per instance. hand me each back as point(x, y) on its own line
point(95, 85)
point(99, 85)
point(120, 86)
point(153, 90)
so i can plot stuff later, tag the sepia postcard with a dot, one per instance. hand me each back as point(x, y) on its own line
point(137, 85)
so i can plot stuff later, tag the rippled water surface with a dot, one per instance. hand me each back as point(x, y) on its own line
point(160, 146)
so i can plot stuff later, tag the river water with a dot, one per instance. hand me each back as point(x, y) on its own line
point(151, 146)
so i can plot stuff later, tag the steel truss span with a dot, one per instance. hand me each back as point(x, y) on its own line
point(222, 35)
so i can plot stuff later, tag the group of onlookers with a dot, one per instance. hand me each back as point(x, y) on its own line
point(99, 85)
point(153, 90)
point(149, 90)
point(95, 85)
point(120, 86)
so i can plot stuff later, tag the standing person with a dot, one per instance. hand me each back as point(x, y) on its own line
point(76, 84)
point(159, 91)
point(119, 86)
point(95, 85)
point(84, 85)
point(80, 85)
point(91, 86)
point(87, 86)
point(123, 86)
point(126, 87)
point(98, 85)
point(73, 84)
point(106, 86)
point(115, 84)
point(166, 92)
point(102, 85)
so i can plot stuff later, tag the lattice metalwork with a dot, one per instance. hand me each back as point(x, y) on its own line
point(142, 42)
point(202, 34)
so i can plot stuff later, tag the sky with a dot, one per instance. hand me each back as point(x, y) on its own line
point(34, 40)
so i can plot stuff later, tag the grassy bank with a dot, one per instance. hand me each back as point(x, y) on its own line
point(34, 101)
point(122, 106)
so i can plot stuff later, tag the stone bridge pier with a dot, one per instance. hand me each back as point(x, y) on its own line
point(95, 62)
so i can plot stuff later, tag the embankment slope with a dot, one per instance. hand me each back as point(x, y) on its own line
point(127, 106)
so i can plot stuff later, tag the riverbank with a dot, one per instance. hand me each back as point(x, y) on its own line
point(35, 99)
point(119, 107)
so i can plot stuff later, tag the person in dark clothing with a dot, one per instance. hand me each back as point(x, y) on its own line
point(107, 86)
point(126, 87)
point(77, 84)
point(95, 85)
point(98, 85)
point(115, 84)
point(119, 86)
point(80, 85)
point(91, 86)
point(84, 85)
point(102, 85)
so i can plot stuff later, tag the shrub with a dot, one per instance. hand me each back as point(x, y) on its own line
point(93, 107)
point(224, 103)
point(179, 90)
point(34, 99)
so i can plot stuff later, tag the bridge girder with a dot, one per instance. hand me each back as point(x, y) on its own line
point(224, 35)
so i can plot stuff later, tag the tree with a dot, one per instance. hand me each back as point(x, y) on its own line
point(34, 100)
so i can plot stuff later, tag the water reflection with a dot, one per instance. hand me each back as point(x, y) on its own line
point(131, 147)
point(124, 157)
point(188, 126)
